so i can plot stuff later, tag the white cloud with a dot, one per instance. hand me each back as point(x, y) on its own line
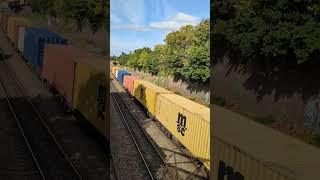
point(135, 27)
point(168, 25)
point(184, 17)
point(175, 22)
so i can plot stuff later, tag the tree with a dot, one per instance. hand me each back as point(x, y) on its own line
point(277, 31)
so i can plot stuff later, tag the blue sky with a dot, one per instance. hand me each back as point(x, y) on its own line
point(139, 23)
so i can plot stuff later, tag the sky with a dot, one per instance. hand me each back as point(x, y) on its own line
point(145, 23)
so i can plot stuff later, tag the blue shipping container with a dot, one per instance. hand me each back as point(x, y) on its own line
point(121, 74)
point(35, 39)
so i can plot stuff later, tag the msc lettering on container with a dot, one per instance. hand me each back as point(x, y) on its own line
point(181, 124)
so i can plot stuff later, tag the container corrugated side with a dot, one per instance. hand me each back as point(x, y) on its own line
point(121, 75)
point(34, 41)
point(229, 160)
point(5, 23)
point(188, 121)
point(21, 38)
point(128, 83)
point(59, 67)
point(146, 93)
point(114, 70)
point(282, 153)
point(90, 93)
point(116, 73)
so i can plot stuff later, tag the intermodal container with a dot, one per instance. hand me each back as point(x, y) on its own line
point(128, 83)
point(114, 70)
point(253, 151)
point(121, 74)
point(90, 92)
point(21, 38)
point(5, 23)
point(146, 93)
point(59, 67)
point(13, 27)
point(188, 121)
point(116, 73)
point(34, 41)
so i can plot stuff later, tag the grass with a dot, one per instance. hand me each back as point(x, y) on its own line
point(265, 119)
point(219, 101)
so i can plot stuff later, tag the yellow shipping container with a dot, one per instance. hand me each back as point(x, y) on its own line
point(146, 93)
point(90, 92)
point(188, 121)
point(229, 160)
point(114, 70)
point(13, 30)
point(257, 152)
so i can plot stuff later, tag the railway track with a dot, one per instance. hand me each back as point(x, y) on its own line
point(154, 165)
point(49, 157)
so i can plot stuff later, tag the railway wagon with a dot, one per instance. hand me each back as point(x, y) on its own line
point(13, 27)
point(188, 122)
point(59, 68)
point(146, 93)
point(34, 41)
point(114, 70)
point(128, 83)
point(252, 151)
point(90, 92)
point(121, 74)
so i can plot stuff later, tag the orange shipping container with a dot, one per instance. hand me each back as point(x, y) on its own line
point(59, 67)
point(128, 83)
point(5, 23)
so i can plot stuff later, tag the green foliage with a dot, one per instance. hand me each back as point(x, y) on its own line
point(81, 11)
point(219, 101)
point(278, 29)
point(315, 139)
point(265, 119)
point(186, 54)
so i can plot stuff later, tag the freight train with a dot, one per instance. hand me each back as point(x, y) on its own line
point(78, 77)
point(187, 121)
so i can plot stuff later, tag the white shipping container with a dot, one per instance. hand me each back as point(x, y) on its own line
point(21, 39)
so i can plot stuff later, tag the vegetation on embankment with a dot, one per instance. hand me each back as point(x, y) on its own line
point(277, 33)
point(185, 55)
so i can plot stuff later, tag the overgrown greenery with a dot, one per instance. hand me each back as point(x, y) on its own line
point(185, 54)
point(272, 31)
point(81, 11)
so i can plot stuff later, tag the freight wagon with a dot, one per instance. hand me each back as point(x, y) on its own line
point(80, 79)
point(187, 121)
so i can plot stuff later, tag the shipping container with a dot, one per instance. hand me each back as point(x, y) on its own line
point(21, 38)
point(59, 67)
point(114, 70)
point(121, 74)
point(253, 151)
point(90, 92)
point(146, 93)
point(13, 27)
point(116, 74)
point(128, 83)
point(34, 41)
point(188, 122)
point(5, 23)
